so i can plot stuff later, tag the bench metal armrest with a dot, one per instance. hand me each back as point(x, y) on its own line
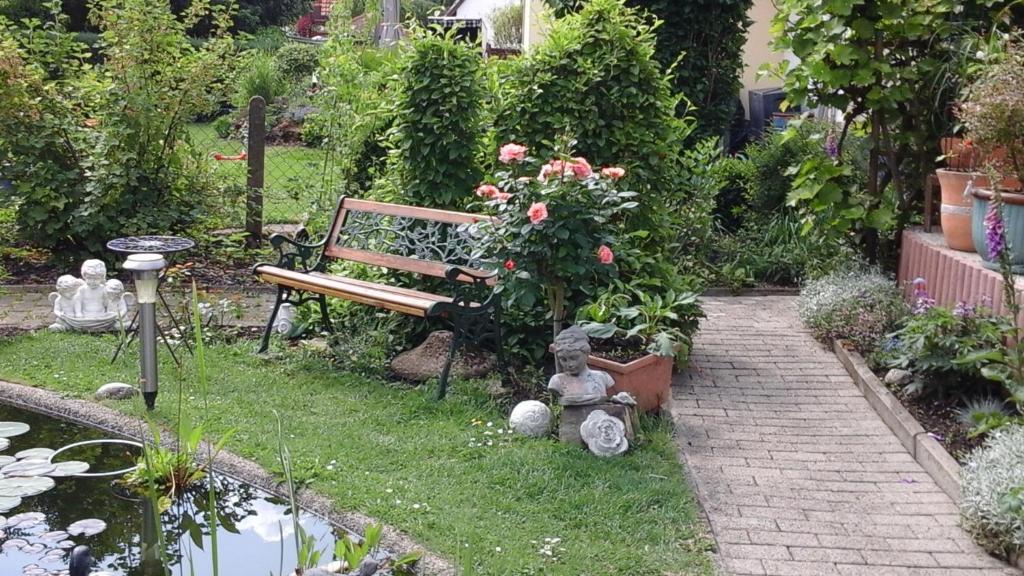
point(300, 254)
point(453, 273)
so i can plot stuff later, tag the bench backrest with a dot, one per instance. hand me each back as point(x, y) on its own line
point(421, 240)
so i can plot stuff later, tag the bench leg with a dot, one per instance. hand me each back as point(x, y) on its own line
point(265, 344)
point(442, 383)
point(324, 316)
point(498, 345)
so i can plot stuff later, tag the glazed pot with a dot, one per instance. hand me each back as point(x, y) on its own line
point(648, 379)
point(1013, 218)
point(955, 213)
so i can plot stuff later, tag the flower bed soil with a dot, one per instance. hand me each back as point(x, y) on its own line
point(621, 350)
point(938, 417)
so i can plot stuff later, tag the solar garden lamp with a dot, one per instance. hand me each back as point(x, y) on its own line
point(145, 269)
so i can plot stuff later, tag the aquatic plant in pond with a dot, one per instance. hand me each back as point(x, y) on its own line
point(43, 530)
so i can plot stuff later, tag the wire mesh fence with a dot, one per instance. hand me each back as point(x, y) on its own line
point(297, 179)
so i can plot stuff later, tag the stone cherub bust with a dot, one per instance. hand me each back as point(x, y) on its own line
point(89, 304)
point(577, 384)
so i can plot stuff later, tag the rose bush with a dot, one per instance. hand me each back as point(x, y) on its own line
point(553, 228)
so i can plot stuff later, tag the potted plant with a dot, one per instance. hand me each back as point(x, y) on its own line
point(956, 181)
point(638, 335)
point(993, 114)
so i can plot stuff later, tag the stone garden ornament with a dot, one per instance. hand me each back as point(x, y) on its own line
point(576, 384)
point(531, 418)
point(91, 303)
point(604, 435)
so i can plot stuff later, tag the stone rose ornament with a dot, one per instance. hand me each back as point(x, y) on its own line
point(531, 418)
point(604, 435)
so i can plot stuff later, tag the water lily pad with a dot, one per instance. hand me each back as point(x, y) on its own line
point(89, 527)
point(54, 556)
point(25, 468)
point(24, 487)
point(4, 444)
point(26, 520)
point(14, 544)
point(5, 460)
point(34, 453)
point(11, 429)
point(33, 548)
point(54, 536)
point(8, 503)
point(66, 544)
point(33, 570)
point(68, 468)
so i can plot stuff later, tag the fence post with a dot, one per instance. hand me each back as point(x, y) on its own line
point(255, 156)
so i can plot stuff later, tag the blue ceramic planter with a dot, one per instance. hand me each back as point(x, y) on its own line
point(1013, 217)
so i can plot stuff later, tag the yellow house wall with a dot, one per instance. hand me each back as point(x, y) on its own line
point(757, 50)
point(535, 23)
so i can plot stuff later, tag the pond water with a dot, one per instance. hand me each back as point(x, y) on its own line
point(254, 536)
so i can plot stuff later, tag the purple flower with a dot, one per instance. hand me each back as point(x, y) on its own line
point(963, 310)
point(995, 232)
point(832, 146)
point(922, 301)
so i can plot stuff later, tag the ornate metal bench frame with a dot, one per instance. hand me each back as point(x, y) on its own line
point(423, 241)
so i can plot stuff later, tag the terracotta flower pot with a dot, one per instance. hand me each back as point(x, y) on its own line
point(1013, 219)
point(955, 213)
point(648, 379)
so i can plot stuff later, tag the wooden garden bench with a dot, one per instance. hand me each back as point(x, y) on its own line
point(421, 241)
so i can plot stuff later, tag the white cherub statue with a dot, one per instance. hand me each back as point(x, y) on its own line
point(63, 300)
point(91, 304)
point(91, 300)
point(117, 299)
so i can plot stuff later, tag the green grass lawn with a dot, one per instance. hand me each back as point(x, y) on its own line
point(293, 177)
point(397, 455)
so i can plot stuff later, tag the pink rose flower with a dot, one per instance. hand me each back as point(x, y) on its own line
point(510, 264)
point(613, 172)
point(502, 196)
point(555, 167)
point(538, 212)
point(487, 191)
point(605, 255)
point(512, 152)
point(581, 168)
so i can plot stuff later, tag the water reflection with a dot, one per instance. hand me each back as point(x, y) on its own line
point(252, 526)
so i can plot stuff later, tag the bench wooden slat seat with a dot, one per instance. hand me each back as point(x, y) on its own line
point(415, 240)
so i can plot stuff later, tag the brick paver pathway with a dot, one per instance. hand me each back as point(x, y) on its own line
point(797, 473)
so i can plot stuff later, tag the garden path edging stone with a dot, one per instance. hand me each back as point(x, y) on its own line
point(109, 420)
point(927, 451)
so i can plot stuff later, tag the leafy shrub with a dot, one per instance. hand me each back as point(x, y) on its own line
point(108, 154)
point(860, 307)
point(932, 340)
point(356, 106)
point(222, 126)
point(268, 40)
point(774, 249)
point(706, 37)
point(993, 492)
point(259, 76)
point(437, 126)
point(595, 79)
point(297, 61)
